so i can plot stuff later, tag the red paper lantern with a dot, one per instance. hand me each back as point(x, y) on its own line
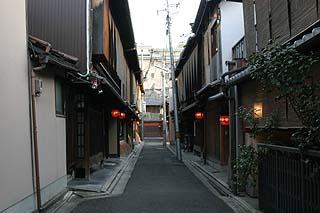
point(115, 113)
point(199, 115)
point(224, 120)
point(122, 115)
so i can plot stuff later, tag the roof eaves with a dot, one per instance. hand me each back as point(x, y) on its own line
point(49, 55)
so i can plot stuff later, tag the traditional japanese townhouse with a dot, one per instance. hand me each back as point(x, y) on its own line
point(280, 22)
point(295, 23)
point(217, 28)
point(33, 137)
point(100, 35)
point(154, 64)
point(189, 80)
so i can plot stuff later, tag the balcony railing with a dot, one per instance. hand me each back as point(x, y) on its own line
point(151, 116)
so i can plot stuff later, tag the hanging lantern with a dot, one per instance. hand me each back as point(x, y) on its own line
point(199, 115)
point(115, 113)
point(122, 115)
point(224, 120)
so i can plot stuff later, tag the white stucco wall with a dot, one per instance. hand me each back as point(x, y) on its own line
point(15, 146)
point(51, 134)
point(232, 29)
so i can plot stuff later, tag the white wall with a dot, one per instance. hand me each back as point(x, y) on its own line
point(15, 146)
point(232, 29)
point(51, 134)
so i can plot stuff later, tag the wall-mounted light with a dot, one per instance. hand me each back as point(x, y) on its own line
point(115, 113)
point(38, 87)
point(199, 115)
point(258, 110)
point(122, 115)
point(224, 120)
point(94, 84)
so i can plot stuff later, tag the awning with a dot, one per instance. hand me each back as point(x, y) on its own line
point(239, 77)
point(190, 106)
point(44, 53)
point(217, 96)
point(308, 40)
point(208, 86)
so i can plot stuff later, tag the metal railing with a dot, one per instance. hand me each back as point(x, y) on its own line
point(289, 179)
point(151, 116)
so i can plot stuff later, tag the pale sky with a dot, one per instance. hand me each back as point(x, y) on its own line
point(150, 27)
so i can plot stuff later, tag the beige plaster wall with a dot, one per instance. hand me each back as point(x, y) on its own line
point(51, 134)
point(15, 146)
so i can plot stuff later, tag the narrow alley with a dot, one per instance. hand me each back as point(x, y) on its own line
point(160, 106)
point(159, 183)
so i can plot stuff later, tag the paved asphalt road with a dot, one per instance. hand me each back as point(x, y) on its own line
point(159, 183)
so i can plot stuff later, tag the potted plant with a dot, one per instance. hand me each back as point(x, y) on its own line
point(245, 168)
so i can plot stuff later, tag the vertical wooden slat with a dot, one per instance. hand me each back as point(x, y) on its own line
point(280, 21)
point(263, 10)
point(303, 14)
point(248, 13)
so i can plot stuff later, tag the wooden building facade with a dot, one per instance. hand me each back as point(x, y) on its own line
point(100, 35)
point(202, 64)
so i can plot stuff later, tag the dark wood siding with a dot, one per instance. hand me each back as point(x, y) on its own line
point(249, 27)
point(61, 23)
point(303, 14)
point(153, 129)
point(212, 135)
point(263, 12)
point(251, 92)
point(106, 30)
point(280, 21)
point(101, 30)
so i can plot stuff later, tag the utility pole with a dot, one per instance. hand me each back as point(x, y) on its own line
point(143, 101)
point(164, 108)
point(174, 94)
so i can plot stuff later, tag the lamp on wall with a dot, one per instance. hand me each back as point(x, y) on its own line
point(224, 120)
point(94, 84)
point(199, 115)
point(258, 110)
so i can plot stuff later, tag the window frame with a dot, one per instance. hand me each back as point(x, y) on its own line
point(63, 97)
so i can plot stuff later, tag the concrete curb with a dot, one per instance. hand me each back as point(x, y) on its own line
point(62, 203)
point(114, 179)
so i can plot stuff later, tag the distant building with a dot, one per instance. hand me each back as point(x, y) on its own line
point(152, 60)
